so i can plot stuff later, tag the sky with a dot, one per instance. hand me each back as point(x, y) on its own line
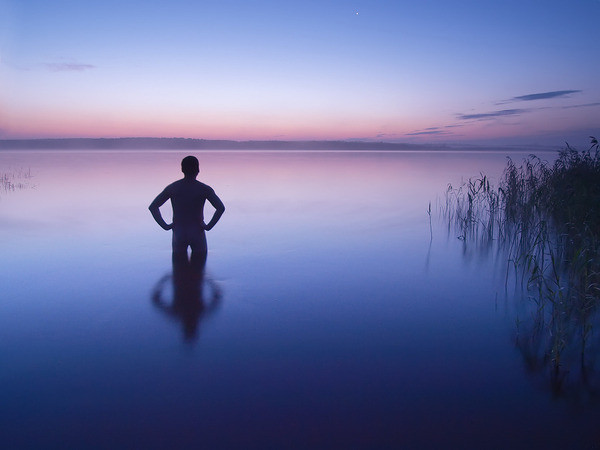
point(421, 71)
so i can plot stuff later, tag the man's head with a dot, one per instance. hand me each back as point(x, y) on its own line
point(190, 166)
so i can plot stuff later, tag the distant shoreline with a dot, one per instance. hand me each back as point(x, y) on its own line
point(143, 143)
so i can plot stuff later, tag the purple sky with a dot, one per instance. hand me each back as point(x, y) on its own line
point(432, 71)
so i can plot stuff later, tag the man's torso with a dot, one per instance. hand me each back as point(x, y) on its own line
point(187, 199)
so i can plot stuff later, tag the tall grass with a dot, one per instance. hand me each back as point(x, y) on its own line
point(546, 219)
point(15, 180)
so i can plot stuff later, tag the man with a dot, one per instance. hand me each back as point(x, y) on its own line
point(188, 197)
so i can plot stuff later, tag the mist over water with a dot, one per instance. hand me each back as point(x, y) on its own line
point(329, 315)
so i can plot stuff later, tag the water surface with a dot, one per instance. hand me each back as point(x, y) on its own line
point(334, 317)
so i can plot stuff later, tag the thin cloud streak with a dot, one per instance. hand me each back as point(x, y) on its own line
point(444, 131)
point(491, 115)
point(419, 133)
point(585, 105)
point(68, 67)
point(543, 95)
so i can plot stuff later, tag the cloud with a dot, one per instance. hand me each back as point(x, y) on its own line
point(542, 96)
point(435, 130)
point(585, 105)
point(68, 67)
point(419, 133)
point(493, 114)
point(382, 135)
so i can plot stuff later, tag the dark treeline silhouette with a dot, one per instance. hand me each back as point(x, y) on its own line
point(146, 143)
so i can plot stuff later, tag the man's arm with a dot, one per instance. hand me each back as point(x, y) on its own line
point(219, 210)
point(155, 209)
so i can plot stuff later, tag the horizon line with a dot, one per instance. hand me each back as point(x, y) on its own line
point(138, 142)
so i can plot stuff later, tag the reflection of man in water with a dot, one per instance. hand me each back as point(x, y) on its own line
point(188, 197)
point(195, 296)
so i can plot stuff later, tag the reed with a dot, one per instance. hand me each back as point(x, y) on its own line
point(546, 219)
point(15, 179)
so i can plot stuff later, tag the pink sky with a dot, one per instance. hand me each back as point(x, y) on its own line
point(440, 72)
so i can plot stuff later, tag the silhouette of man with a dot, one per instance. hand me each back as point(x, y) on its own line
point(188, 197)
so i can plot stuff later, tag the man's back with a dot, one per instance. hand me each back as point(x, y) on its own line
point(188, 198)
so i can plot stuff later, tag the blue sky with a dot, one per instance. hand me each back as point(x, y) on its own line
point(404, 71)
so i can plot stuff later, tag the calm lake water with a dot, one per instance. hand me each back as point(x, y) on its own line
point(330, 315)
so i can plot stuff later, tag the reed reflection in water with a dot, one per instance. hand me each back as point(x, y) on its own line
point(543, 220)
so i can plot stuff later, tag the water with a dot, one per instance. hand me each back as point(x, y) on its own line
point(333, 316)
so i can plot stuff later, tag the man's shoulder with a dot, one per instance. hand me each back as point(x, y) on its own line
point(189, 186)
point(173, 185)
point(205, 187)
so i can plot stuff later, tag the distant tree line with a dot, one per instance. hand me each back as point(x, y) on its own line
point(203, 144)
